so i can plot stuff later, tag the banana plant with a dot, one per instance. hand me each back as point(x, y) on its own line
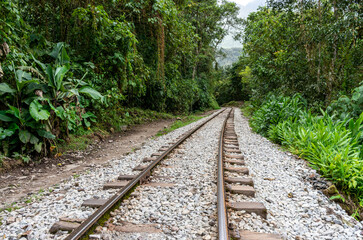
point(41, 99)
point(61, 88)
point(21, 118)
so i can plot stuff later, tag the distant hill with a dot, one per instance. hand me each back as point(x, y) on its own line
point(231, 56)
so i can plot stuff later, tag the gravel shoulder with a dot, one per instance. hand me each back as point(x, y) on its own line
point(39, 212)
point(24, 181)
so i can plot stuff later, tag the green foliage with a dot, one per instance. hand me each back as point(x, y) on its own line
point(340, 197)
point(247, 109)
point(334, 147)
point(274, 110)
point(328, 145)
point(41, 98)
point(119, 117)
point(152, 54)
point(309, 47)
point(234, 84)
point(346, 107)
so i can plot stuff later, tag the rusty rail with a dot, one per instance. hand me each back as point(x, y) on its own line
point(83, 229)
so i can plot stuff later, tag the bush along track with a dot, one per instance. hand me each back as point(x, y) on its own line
point(331, 143)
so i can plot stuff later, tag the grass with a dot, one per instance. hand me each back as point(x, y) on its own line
point(10, 207)
point(179, 123)
point(76, 176)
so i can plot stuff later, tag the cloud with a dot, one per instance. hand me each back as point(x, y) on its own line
point(242, 2)
point(246, 7)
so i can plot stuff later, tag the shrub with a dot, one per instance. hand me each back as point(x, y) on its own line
point(332, 145)
point(274, 110)
point(328, 145)
point(41, 101)
point(346, 107)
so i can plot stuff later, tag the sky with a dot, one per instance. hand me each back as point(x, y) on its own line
point(246, 6)
point(242, 2)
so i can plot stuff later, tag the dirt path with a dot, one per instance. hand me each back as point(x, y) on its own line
point(21, 182)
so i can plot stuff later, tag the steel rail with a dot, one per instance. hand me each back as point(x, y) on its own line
point(97, 215)
point(223, 233)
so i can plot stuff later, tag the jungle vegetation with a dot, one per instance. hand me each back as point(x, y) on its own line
point(71, 65)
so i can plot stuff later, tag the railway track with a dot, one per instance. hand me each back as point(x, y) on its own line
point(126, 183)
point(231, 160)
point(179, 199)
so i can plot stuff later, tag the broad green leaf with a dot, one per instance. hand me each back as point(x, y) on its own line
point(24, 136)
point(42, 65)
point(88, 115)
point(49, 72)
point(14, 111)
point(21, 76)
point(33, 139)
point(86, 122)
point(37, 112)
point(6, 133)
point(4, 117)
point(5, 88)
point(337, 197)
point(356, 96)
point(13, 127)
point(38, 147)
point(74, 91)
point(45, 134)
point(91, 92)
point(59, 74)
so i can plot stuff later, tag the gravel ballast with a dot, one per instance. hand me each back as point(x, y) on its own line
point(187, 208)
point(36, 216)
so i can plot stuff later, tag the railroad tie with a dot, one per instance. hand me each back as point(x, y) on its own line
point(139, 167)
point(94, 202)
point(113, 185)
point(233, 161)
point(242, 170)
point(231, 147)
point(247, 235)
point(249, 207)
point(149, 159)
point(126, 177)
point(241, 189)
point(243, 181)
point(156, 154)
point(232, 151)
point(234, 156)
